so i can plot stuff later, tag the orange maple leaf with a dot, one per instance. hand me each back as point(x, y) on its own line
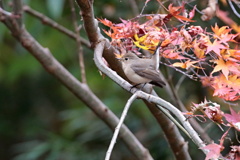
point(226, 88)
point(200, 53)
point(234, 53)
point(221, 66)
point(219, 31)
point(186, 65)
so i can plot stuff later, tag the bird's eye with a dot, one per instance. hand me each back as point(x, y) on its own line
point(126, 59)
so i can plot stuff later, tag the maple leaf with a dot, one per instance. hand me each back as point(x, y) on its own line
point(214, 113)
point(219, 31)
point(223, 34)
point(200, 53)
point(233, 119)
point(192, 12)
point(214, 151)
point(186, 65)
point(171, 54)
point(226, 89)
point(106, 22)
point(175, 11)
point(195, 30)
point(226, 67)
point(221, 66)
point(234, 53)
point(216, 47)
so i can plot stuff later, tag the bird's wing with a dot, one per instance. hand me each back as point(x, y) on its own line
point(148, 73)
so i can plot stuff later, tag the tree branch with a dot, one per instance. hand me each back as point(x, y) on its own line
point(78, 41)
point(117, 129)
point(80, 90)
point(17, 11)
point(90, 23)
point(54, 24)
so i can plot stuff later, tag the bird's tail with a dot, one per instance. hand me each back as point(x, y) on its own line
point(158, 83)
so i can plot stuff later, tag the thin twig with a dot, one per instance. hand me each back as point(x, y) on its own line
point(233, 8)
point(165, 111)
point(5, 12)
point(78, 40)
point(117, 129)
point(54, 24)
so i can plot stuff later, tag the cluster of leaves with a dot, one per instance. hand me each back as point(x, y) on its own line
point(212, 111)
point(185, 46)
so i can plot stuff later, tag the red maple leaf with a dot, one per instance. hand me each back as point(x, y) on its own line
point(175, 11)
point(216, 47)
point(214, 151)
point(233, 119)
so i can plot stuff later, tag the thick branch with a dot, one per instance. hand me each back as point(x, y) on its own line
point(17, 11)
point(52, 23)
point(90, 23)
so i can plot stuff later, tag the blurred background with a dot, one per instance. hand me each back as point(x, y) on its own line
point(41, 120)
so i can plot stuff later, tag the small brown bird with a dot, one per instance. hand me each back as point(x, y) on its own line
point(141, 70)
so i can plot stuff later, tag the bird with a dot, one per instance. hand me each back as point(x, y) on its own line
point(141, 70)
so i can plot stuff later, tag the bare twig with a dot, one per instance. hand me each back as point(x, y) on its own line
point(117, 129)
point(52, 23)
point(5, 12)
point(78, 40)
point(233, 8)
point(166, 112)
